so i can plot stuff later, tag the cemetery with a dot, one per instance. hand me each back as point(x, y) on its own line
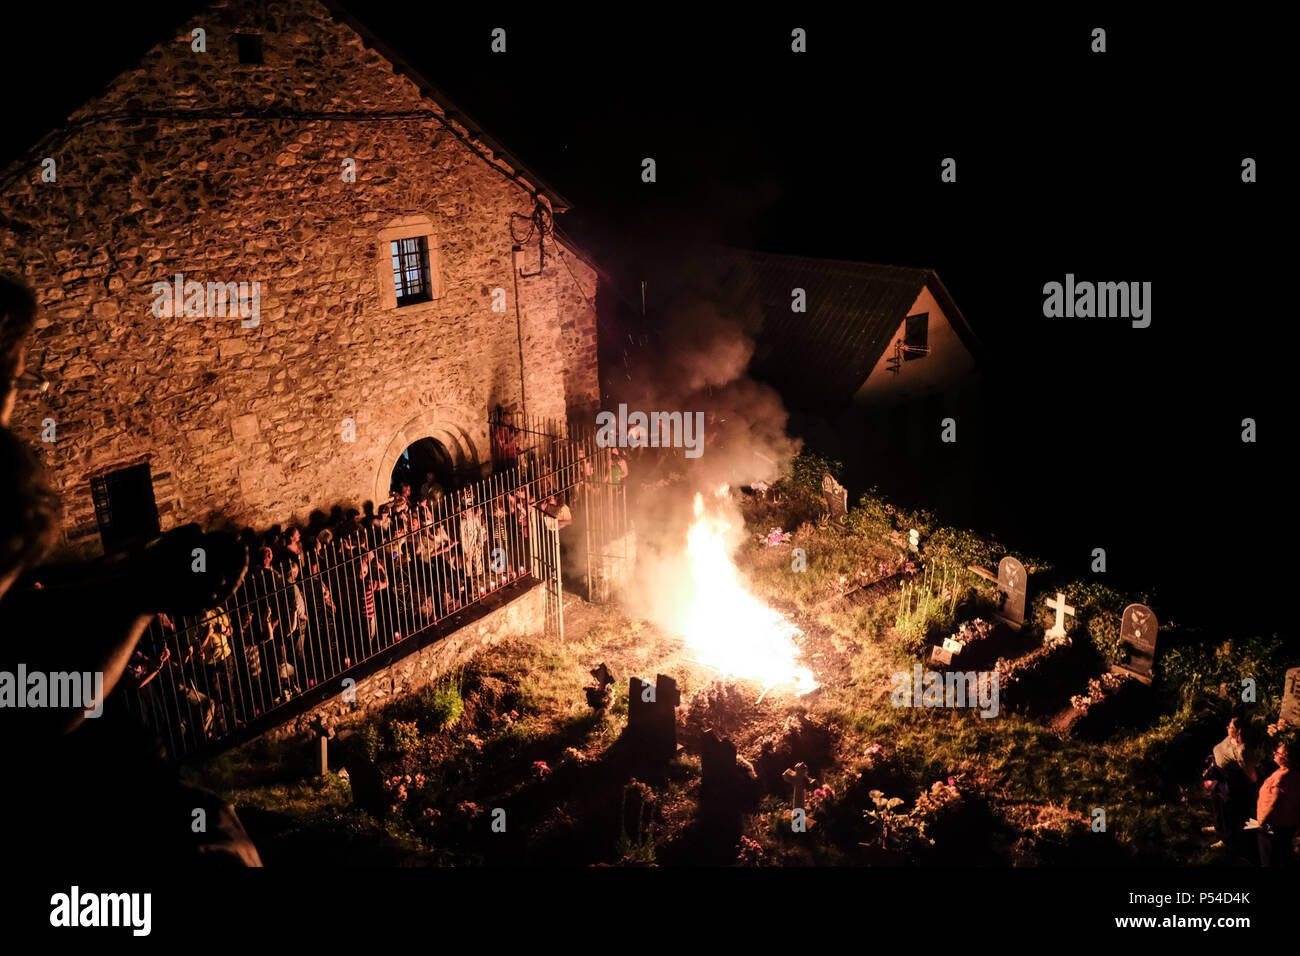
point(438, 441)
point(622, 745)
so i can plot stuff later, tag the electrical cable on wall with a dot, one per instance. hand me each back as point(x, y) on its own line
point(542, 224)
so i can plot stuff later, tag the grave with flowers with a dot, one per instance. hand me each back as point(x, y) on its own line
point(945, 630)
point(963, 645)
point(1031, 682)
point(1120, 696)
point(849, 593)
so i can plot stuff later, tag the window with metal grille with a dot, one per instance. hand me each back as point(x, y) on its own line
point(125, 508)
point(250, 47)
point(916, 336)
point(412, 281)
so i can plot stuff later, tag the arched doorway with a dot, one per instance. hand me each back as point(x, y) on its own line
point(426, 456)
point(443, 440)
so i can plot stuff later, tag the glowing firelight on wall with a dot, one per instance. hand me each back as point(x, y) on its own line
point(727, 628)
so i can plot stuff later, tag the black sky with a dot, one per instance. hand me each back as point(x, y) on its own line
point(1123, 166)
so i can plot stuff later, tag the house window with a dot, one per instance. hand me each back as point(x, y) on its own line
point(125, 508)
point(407, 263)
point(916, 337)
point(250, 47)
point(412, 281)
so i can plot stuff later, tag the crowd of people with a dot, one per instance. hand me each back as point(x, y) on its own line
point(320, 598)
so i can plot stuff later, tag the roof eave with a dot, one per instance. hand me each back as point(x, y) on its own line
point(453, 113)
point(954, 315)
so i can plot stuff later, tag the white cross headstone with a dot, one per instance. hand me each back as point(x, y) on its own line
point(1062, 609)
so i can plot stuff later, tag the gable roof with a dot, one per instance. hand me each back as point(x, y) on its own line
point(453, 113)
point(821, 357)
point(161, 29)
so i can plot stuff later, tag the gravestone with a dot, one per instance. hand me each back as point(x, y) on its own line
point(367, 785)
point(943, 655)
point(1291, 697)
point(725, 790)
point(836, 496)
point(636, 810)
point(717, 761)
point(600, 695)
point(1137, 630)
point(1013, 581)
point(1061, 609)
point(653, 723)
point(797, 777)
point(940, 656)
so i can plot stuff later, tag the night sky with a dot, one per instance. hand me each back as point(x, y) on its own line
point(1123, 166)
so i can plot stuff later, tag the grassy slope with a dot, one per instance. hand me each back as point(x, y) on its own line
point(1027, 793)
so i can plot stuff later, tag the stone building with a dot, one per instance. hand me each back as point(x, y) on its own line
point(360, 269)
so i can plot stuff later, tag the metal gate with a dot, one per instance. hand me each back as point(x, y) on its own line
point(604, 507)
point(545, 534)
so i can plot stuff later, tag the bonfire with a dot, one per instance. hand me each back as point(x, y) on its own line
point(727, 628)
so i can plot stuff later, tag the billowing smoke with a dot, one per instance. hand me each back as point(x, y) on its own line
point(697, 363)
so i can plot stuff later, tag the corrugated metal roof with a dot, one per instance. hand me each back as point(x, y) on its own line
point(823, 355)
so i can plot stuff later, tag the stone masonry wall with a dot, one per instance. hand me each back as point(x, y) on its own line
point(521, 617)
point(247, 424)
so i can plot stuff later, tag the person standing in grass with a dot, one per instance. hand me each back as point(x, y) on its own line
point(1236, 780)
point(1278, 810)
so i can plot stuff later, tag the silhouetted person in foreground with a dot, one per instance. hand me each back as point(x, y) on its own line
point(82, 784)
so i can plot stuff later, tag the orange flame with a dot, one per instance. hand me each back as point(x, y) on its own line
point(729, 629)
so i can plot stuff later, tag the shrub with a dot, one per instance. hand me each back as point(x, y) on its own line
point(912, 633)
point(405, 734)
point(872, 517)
point(807, 469)
point(369, 741)
point(1099, 610)
point(1204, 666)
point(442, 705)
point(963, 548)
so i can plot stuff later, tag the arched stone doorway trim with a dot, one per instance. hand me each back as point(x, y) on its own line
point(448, 425)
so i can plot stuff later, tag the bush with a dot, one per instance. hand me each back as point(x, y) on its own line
point(912, 633)
point(1200, 667)
point(807, 469)
point(919, 618)
point(872, 517)
point(369, 741)
point(964, 548)
point(441, 706)
point(1099, 610)
point(405, 734)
